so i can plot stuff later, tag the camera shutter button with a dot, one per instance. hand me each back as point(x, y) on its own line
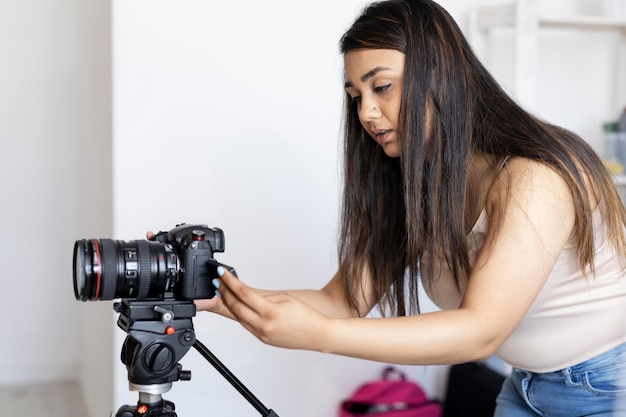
point(198, 234)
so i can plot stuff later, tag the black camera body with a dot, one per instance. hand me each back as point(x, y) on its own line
point(177, 264)
point(195, 246)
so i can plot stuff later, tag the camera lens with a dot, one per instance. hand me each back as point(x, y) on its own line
point(105, 269)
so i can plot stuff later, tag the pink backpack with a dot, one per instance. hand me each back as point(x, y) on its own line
point(391, 396)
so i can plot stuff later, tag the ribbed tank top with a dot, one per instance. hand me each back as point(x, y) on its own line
point(573, 319)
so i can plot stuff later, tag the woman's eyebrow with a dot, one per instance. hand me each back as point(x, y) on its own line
point(368, 75)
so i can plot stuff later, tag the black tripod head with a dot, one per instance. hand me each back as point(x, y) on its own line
point(160, 333)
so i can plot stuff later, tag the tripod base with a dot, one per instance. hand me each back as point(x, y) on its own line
point(163, 408)
point(150, 403)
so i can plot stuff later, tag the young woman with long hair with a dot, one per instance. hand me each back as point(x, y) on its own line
point(513, 225)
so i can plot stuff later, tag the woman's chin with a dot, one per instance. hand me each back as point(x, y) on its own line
point(391, 149)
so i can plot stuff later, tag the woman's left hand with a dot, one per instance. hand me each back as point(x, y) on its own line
point(278, 319)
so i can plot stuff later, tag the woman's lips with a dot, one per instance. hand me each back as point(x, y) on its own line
point(382, 136)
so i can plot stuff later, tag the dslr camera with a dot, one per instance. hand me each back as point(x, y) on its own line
point(157, 280)
point(175, 264)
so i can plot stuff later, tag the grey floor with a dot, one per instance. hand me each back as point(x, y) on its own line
point(57, 399)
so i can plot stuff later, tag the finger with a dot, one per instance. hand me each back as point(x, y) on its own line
point(212, 304)
point(243, 302)
point(226, 276)
point(149, 235)
point(241, 292)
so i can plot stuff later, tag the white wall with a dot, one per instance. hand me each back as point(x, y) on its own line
point(37, 68)
point(49, 129)
point(223, 113)
point(55, 165)
point(95, 194)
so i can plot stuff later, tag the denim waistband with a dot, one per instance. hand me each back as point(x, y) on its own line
point(603, 360)
point(609, 358)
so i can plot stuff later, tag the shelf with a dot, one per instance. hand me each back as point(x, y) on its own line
point(583, 22)
point(526, 21)
point(506, 15)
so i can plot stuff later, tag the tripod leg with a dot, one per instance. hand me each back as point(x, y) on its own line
point(221, 368)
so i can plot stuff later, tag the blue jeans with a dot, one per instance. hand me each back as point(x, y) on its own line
point(596, 387)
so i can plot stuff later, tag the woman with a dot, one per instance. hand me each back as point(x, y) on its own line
point(513, 225)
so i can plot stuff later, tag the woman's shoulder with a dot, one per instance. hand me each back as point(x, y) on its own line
point(523, 181)
point(521, 167)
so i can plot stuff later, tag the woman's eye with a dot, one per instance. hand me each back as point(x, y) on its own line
point(355, 100)
point(382, 88)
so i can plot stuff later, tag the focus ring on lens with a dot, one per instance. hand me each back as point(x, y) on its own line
point(145, 276)
point(109, 267)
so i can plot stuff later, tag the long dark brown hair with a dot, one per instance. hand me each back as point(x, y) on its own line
point(397, 209)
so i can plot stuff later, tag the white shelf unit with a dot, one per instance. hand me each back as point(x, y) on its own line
point(526, 21)
point(524, 18)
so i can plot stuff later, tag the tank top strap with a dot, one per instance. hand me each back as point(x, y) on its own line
point(505, 160)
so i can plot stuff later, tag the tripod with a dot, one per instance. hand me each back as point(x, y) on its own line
point(160, 333)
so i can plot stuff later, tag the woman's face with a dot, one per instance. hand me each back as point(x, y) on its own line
point(373, 80)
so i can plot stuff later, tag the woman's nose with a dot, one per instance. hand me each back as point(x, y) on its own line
point(369, 111)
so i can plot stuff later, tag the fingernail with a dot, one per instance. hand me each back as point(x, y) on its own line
point(215, 282)
point(218, 294)
point(220, 271)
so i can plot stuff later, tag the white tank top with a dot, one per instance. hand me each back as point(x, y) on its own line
point(572, 320)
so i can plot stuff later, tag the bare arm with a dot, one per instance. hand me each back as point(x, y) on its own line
point(330, 301)
point(535, 223)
